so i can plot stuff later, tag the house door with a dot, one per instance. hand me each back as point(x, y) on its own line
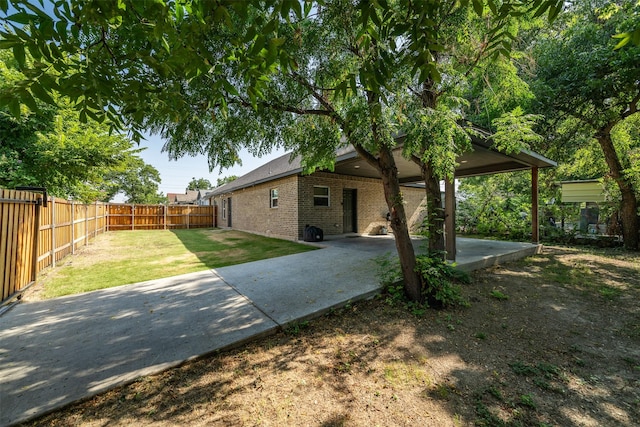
point(229, 212)
point(349, 212)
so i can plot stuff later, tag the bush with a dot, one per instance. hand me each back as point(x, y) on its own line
point(440, 282)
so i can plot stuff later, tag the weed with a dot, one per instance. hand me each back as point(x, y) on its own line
point(495, 392)
point(545, 375)
point(498, 295)
point(295, 328)
point(609, 292)
point(481, 336)
point(443, 391)
point(486, 418)
point(416, 308)
point(440, 282)
point(527, 400)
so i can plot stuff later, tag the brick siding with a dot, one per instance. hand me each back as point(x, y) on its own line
point(251, 209)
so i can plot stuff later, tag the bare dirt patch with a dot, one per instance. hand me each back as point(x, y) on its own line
point(552, 340)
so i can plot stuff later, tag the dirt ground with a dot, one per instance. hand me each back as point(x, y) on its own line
point(553, 340)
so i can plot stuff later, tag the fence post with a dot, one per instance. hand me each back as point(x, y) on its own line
point(164, 211)
point(53, 231)
point(188, 215)
point(73, 227)
point(133, 217)
point(36, 241)
point(86, 225)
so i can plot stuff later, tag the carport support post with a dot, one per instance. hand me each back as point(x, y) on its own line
point(450, 218)
point(535, 224)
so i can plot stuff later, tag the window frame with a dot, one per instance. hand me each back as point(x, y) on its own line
point(321, 197)
point(273, 196)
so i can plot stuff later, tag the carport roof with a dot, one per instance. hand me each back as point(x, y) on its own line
point(481, 160)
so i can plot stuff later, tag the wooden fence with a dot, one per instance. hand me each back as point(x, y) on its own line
point(159, 217)
point(35, 234)
point(19, 220)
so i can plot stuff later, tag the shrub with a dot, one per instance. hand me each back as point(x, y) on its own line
point(440, 282)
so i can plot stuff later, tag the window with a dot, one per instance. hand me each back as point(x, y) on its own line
point(320, 196)
point(274, 198)
point(224, 208)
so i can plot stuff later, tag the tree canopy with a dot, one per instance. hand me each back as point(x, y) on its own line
point(582, 79)
point(50, 147)
point(199, 184)
point(312, 76)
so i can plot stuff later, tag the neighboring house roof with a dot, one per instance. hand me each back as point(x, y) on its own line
point(481, 160)
point(184, 199)
point(202, 193)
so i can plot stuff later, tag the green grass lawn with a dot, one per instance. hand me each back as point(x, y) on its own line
point(123, 257)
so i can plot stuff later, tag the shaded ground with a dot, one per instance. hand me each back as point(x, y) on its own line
point(551, 340)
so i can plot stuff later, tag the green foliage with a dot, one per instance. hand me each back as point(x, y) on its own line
point(496, 205)
point(527, 400)
point(581, 78)
point(49, 146)
point(439, 281)
point(499, 295)
point(514, 131)
point(199, 184)
point(226, 179)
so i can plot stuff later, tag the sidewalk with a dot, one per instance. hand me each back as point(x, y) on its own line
point(58, 351)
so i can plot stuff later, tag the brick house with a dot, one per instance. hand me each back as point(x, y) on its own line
point(278, 200)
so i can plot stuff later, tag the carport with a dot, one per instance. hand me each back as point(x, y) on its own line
point(482, 159)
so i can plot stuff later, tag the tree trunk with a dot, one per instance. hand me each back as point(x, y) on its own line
point(395, 202)
point(435, 212)
point(386, 165)
point(629, 205)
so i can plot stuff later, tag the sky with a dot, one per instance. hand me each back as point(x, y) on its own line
point(176, 174)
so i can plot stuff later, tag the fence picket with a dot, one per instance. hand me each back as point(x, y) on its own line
point(34, 237)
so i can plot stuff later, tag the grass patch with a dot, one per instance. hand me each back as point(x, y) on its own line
point(120, 258)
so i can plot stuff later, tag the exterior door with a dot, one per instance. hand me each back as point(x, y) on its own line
point(349, 212)
point(229, 212)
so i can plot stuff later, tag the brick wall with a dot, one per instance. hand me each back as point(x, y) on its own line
point(251, 209)
point(371, 205)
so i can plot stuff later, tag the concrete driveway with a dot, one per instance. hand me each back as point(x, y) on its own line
point(61, 350)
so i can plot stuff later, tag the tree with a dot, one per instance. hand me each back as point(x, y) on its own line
point(137, 180)
point(199, 184)
point(580, 75)
point(226, 179)
point(211, 79)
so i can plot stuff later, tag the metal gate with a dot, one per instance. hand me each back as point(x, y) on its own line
point(19, 225)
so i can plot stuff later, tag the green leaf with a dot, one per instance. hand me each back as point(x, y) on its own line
point(229, 87)
point(179, 12)
point(625, 39)
point(21, 18)
point(28, 100)
point(18, 53)
point(14, 107)
point(478, 6)
point(277, 41)
point(41, 93)
point(8, 44)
